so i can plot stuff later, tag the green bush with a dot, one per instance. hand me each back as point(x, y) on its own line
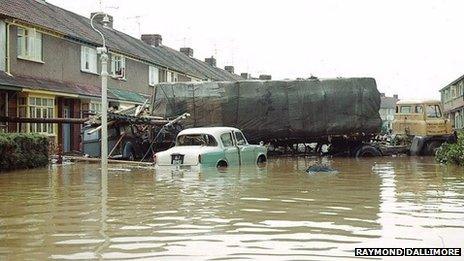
point(452, 153)
point(23, 150)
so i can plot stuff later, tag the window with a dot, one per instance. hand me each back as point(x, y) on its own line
point(196, 140)
point(418, 109)
point(37, 107)
point(169, 77)
point(405, 109)
point(29, 45)
point(153, 77)
point(118, 66)
point(433, 111)
point(226, 139)
point(173, 77)
point(95, 107)
point(240, 139)
point(88, 59)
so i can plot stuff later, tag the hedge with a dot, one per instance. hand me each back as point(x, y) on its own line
point(452, 153)
point(23, 150)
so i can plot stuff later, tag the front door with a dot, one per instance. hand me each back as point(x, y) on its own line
point(230, 150)
point(246, 153)
point(66, 131)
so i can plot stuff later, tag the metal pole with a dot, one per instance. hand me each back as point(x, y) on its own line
point(104, 115)
point(104, 99)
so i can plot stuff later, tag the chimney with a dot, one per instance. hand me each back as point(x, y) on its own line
point(382, 94)
point(152, 39)
point(99, 19)
point(245, 76)
point(187, 51)
point(395, 96)
point(211, 61)
point(229, 68)
point(265, 77)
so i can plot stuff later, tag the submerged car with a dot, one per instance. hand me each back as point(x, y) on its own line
point(199, 148)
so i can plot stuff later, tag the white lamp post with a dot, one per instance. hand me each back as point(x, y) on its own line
point(104, 92)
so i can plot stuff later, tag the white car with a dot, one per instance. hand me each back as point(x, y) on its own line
point(199, 148)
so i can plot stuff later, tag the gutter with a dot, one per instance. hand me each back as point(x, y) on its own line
point(7, 54)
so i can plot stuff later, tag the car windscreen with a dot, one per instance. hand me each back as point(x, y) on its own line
point(196, 140)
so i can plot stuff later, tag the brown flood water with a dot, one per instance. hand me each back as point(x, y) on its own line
point(277, 212)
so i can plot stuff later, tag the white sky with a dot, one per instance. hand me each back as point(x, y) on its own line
point(412, 48)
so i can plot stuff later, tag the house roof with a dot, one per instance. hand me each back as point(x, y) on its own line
point(77, 27)
point(453, 82)
point(20, 82)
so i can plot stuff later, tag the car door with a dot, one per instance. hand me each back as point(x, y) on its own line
point(230, 150)
point(246, 152)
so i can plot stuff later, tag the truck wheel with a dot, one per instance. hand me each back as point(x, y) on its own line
point(128, 152)
point(368, 151)
point(431, 147)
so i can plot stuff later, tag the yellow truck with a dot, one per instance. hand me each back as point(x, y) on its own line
point(422, 123)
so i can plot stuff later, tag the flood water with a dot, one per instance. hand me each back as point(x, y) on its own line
point(276, 212)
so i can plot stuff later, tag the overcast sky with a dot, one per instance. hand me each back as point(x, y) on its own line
point(413, 48)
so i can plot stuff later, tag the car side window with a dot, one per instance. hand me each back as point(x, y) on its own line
point(226, 139)
point(240, 138)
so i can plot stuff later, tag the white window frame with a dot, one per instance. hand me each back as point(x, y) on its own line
point(37, 107)
point(118, 60)
point(29, 44)
point(89, 59)
point(95, 107)
point(153, 75)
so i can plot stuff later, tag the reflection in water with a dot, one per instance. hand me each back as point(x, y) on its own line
point(277, 212)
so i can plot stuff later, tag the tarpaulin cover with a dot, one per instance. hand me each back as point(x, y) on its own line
point(301, 110)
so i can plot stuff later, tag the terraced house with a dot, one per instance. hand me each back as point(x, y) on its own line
point(49, 67)
point(452, 97)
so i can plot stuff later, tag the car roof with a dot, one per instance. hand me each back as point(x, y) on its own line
point(208, 130)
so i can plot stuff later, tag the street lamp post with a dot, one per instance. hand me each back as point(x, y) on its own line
point(104, 92)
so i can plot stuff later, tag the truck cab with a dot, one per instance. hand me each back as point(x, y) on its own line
point(423, 122)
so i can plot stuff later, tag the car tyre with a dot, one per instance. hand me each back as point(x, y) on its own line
point(222, 164)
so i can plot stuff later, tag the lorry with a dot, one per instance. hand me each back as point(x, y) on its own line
point(421, 125)
point(340, 114)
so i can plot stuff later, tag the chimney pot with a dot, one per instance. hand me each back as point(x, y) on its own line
point(102, 19)
point(152, 39)
point(395, 96)
point(187, 51)
point(229, 68)
point(211, 61)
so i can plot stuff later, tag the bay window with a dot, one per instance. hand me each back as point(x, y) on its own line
point(37, 107)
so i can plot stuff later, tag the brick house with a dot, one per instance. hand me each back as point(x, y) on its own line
point(452, 98)
point(49, 67)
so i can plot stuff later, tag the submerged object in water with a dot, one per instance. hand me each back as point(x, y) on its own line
point(320, 168)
